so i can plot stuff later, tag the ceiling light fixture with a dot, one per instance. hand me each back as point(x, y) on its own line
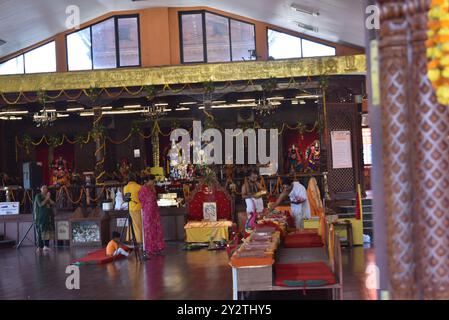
point(44, 118)
point(246, 100)
point(155, 111)
point(123, 111)
point(75, 109)
point(298, 8)
point(86, 114)
point(182, 109)
point(137, 106)
point(265, 107)
point(309, 96)
point(14, 112)
point(11, 118)
point(236, 105)
point(307, 27)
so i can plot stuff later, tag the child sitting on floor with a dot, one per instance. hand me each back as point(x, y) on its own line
point(114, 248)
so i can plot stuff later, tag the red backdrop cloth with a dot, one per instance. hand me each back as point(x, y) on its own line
point(301, 141)
point(195, 205)
point(66, 150)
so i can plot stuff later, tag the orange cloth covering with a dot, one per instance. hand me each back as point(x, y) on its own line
point(252, 262)
point(314, 197)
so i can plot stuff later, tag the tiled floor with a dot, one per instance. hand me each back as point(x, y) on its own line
point(177, 275)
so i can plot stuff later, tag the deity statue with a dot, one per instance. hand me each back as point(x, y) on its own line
point(60, 172)
point(295, 160)
point(124, 169)
point(313, 156)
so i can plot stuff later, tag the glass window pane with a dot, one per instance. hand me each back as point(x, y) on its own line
point(283, 46)
point(79, 50)
point(243, 41)
point(192, 38)
point(103, 45)
point(12, 66)
point(217, 38)
point(128, 34)
point(314, 49)
point(42, 59)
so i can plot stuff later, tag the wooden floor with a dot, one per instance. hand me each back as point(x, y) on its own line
point(178, 275)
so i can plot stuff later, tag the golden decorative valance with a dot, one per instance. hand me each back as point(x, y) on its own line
point(218, 72)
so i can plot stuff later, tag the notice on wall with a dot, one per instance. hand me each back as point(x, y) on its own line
point(8, 208)
point(341, 149)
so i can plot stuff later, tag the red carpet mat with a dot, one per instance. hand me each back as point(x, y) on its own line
point(310, 274)
point(96, 257)
point(303, 240)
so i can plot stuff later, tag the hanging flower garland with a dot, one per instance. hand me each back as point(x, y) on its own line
point(438, 49)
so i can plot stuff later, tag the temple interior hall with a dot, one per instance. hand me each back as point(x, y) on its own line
point(224, 150)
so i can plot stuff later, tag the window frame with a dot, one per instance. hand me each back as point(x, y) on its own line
point(23, 59)
point(117, 42)
point(203, 20)
point(301, 38)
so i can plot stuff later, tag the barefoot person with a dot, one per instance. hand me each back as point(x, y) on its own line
point(254, 203)
point(153, 241)
point(44, 219)
point(299, 203)
point(114, 248)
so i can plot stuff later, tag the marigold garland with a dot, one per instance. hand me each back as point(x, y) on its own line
point(437, 45)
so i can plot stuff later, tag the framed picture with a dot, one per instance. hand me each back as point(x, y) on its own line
point(63, 229)
point(210, 211)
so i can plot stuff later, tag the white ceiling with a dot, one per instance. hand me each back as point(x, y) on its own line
point(26, 22)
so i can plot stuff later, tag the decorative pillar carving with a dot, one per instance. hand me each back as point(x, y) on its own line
point(100, 146)
point(431, 167)
point(397, 144)
point(156, 152)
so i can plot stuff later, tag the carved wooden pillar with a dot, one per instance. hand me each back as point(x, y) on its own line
point(431, 167)
point(397, 144)
point(100, 145)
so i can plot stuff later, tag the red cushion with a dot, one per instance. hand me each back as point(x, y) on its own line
point(303, 240)
point(97, 257)
point(310, 274)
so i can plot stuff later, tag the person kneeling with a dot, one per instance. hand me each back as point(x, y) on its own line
point(114, 248)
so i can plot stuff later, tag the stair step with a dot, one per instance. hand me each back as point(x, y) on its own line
point(346, 215)
point(368, 202)
point(367, 224)
point(349, 209)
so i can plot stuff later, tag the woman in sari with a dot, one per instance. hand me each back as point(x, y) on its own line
point(153, 241)
point(44, 219)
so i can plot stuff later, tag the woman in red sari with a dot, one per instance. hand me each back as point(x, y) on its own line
point(152, 229)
